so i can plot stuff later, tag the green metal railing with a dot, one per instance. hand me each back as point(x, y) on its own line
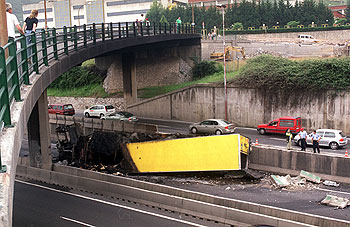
point(18, 60)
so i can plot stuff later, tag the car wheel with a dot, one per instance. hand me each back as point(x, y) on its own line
point(193, 130)
point(218, 132)
point(262, 131)
point(102, 115)
point(87, 115)
point(333, 145)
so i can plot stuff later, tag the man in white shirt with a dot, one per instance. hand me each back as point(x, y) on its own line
point(12, 22)
point(315, 141)
point(303, 136)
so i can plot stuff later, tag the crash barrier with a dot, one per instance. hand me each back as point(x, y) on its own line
point(89, 125)
point(277, 160)
point(228, 211)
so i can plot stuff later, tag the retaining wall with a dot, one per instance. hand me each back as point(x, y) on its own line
point(249, 107)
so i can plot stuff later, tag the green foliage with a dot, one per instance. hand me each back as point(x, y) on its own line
point(77, 77)
point(271, 73)
point(237, 26)
point(163, 20)
point(204, 68)
point(340, 21)
point(92, 90)
point(293, 24)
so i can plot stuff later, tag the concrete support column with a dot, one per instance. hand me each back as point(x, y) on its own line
point(129, 78)
point(39, 135)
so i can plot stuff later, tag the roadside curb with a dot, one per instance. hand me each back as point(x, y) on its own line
point(228, 211)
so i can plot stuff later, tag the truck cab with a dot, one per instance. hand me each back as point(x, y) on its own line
point(280, 126)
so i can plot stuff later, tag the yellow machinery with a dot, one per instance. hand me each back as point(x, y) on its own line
point(206, 153)
point(228, 50)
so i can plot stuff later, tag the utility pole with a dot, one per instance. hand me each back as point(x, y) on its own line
point(45, 14)
point(3, 24)
point(192, 15)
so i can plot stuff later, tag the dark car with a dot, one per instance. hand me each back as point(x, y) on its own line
point(62, 109)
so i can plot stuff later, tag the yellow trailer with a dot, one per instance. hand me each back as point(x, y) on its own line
point(206, 153)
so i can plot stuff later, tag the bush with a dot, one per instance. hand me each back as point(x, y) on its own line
point(75, 78)
point(204, 68)
point(293, 24)
point(279, 74)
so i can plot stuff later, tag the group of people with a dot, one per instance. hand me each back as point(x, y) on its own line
point(30, 24)
point(315, 138)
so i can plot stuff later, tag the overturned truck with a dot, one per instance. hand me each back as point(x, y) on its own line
point(113, 152)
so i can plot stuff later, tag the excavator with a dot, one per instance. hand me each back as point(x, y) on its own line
point(220, 56)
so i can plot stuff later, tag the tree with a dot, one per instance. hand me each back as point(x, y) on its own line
point(347, 12)
point(155, 13)
point(293, 24)
point(237, 26)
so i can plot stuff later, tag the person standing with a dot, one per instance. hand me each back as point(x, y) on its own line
point(303, 137)
point(12, 22)
point(289, 136)
point(315, 141)
point(178, 24)
point(29, 26)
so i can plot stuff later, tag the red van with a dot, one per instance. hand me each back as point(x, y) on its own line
point(63, 109)
point(281, 125)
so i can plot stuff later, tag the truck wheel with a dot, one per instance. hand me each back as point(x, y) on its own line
point(262, 131)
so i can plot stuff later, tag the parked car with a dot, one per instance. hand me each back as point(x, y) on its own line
point(281, 125)
point(212, 126)
point(99, 111)
point(122, 116)
point(62, 109)
point(307, 39)
point(329, 137)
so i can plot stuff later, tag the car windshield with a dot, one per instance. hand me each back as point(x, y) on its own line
point(126, 114)
point(342, 134)
point(109, 107)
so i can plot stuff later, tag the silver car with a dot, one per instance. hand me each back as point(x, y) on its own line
point(121, 116)
point(329, 137)
point(212, 126)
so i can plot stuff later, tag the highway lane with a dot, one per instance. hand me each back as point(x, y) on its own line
point(45, 205)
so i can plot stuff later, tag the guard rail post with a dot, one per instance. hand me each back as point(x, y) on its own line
point(54, 42)
point(85, 35)
point(44, 48)
point(148, 29)
point(160, 28)
point(141, 29)
point(154, 29)
point(75, 35)
point(111, 28)
point(65, 40)
point(4, 93)
point(94, 33)
point(134, 28)
point(103, 32)
point(170, 27)
point(164, 28)
point(24, 59)
point(120, 30)
point(35, 53)
point(14, 69)
point(127, 29)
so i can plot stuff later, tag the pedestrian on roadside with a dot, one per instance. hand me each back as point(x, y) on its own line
point(315, 141)
point(12, 22)
point(178, 24)
point(29, 26)
point(303, 137)
point(289, 136)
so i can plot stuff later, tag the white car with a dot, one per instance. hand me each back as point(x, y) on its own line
point(99, 111)
point(329, 137)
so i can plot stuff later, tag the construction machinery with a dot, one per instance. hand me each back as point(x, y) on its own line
point(220, 56)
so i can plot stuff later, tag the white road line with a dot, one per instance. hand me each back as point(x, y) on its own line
point(77, 222)
point(253, 129)
point(112, 204)
point(327, 190)
point(278, 139)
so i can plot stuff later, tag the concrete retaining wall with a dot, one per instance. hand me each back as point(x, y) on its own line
point(228, 211)
point(249, 107)
point(268, 158)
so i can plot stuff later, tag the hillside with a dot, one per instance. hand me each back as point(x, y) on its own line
point(17, 7)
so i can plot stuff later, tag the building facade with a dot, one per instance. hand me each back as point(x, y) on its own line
point(78, 12)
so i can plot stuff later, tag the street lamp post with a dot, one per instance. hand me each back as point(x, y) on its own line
point(223, 46)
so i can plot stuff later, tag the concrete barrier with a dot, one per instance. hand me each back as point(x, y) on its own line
point(271, 159)
point(212, 211)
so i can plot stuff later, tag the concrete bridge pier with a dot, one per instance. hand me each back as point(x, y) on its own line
point(39, 135)
point(129, 78)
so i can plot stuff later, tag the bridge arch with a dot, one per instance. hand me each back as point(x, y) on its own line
point(31, 90)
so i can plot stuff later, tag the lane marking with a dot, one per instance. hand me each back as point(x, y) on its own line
point(247, 128)
point(328, 190)
point(278, 139)
point(77, 222)
point(112, 204)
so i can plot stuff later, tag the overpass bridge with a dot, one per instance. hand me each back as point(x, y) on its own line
point(27, 71)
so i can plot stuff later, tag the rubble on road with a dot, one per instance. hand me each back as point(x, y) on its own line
point(335, 201)
point(261, 51)
point(287, 181)
point(310, 177)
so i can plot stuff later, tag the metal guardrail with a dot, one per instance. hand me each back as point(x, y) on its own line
point(18, 60)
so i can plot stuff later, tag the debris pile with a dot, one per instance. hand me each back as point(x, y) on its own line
point(261, 51)
point(335, 201)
